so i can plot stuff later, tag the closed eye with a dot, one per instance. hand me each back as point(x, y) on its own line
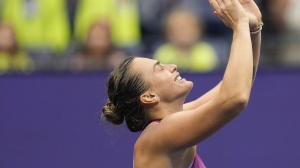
point(157, 63)
point(161, 67)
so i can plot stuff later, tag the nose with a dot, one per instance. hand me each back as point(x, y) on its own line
point(173, 67)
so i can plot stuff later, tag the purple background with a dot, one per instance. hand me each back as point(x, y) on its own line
point(53, 120)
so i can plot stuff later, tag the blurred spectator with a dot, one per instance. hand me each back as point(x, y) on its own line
point(152, 14)
point(40, 25)
point(273, 13)
point(12, 58)
point(290, 38)
point(122, 15)
point(185, 46)
point(273, 16)
point(97, 52)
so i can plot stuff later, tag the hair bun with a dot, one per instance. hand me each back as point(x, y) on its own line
point(110, 114)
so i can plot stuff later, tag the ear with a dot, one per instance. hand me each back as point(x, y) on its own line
point(149, 98)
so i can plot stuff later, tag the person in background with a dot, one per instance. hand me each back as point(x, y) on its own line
point(41, 27)
point(38, 23)
point(290, 38)
point(122, 15)
point(273, 11)
point(12, 58)
point(97, 52)
point(152, 14)
point(150, 96)
point(185, 46)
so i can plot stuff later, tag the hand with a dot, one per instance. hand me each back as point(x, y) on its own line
point(230, 11)
point(253, 13)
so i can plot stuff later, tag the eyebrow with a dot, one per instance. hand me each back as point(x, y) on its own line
point(157, 63)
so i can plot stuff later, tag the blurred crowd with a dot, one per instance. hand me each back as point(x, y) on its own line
point(93, 35)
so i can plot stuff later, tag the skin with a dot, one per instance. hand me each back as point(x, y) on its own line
point(7, 41)
point(183, 30)
point(172, 142)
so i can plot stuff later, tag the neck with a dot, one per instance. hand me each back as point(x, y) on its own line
point(8, 49)
point(96, 52)
point(162, 109)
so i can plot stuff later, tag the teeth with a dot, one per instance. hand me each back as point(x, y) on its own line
point(178, 78)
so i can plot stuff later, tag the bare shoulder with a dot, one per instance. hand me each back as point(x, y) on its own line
point(146, 152)
point(150, 151)
point(146, 139)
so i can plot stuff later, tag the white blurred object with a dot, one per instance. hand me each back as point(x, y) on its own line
point(290, 38)
point(291, 16)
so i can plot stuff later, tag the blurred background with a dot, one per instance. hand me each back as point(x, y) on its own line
point(55, 56)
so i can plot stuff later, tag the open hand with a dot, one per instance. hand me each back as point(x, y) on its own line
point(230, 11)
point(253, 13)
point(252, 10)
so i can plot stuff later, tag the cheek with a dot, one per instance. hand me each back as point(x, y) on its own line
point(159, 82)
point(156, 82)
point(165, 84)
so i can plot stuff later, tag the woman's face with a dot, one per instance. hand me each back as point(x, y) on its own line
point(7, 40)
point(98, 37)
point(163, 79)
point(183, 29)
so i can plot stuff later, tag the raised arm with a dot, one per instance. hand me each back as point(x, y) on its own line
point(255, 25)
point(256, 43)
point(185, 129)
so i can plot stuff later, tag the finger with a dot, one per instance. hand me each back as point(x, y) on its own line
point(221, 10)
point(214, 4)
point(221, 4)
point(233, 3)
point(216, 13)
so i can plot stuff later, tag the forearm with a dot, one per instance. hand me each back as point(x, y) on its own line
point(238, 75)
point(256, 45)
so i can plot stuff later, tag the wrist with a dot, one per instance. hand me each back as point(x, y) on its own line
point(242, 27)
point(257, 29)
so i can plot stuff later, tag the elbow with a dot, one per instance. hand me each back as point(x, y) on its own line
point(235, 103)
point(240, 102)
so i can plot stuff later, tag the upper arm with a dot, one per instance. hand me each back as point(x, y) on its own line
point(188, 128)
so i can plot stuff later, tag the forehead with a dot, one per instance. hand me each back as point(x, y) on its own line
point(143, 65)
point(181, 17)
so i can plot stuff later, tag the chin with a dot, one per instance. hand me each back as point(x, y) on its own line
point(189, 87)
point(191, 84)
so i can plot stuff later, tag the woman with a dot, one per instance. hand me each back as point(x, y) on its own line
point(150, 96)
point(12, 58)
point(97, 51)
point(185, 45)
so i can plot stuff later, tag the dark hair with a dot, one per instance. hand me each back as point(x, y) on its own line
point(124, 90)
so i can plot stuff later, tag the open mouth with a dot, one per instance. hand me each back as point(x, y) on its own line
point(178, 78)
